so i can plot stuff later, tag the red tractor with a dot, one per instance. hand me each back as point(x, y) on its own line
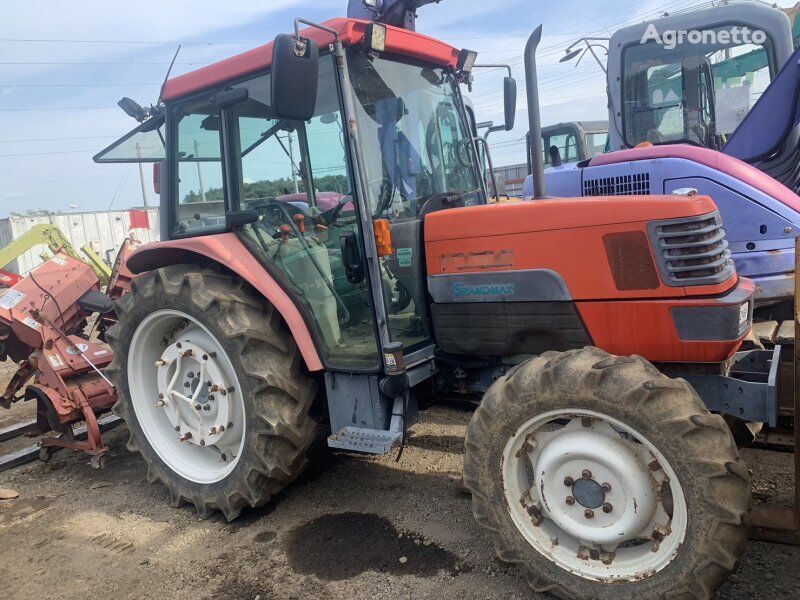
point(588, 326)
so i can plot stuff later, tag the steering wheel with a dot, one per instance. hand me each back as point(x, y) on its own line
point(332, 215)
point(289, 211)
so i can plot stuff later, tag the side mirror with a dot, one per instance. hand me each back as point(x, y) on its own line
point(157, 169)
point(295, 73)
point(510, 101)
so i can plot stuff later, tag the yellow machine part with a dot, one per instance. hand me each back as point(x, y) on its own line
point(51, 236)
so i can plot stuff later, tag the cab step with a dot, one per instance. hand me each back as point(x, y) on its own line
point(368, 441)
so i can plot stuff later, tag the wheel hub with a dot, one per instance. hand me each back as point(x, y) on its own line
point(588, 493)
point(194, 393)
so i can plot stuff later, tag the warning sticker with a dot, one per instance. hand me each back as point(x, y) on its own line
point(32, 324)
point(62, 262)
point(55, 360)
point(11, 298)
point(404, 256)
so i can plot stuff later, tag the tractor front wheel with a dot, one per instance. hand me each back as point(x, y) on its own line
point(602, 478)
point(210, 383)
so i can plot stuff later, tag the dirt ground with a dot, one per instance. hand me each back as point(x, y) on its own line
point(352, 527)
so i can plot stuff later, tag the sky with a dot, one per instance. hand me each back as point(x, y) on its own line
point(62, 72)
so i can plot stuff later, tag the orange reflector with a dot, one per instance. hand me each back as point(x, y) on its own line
point(383, 237)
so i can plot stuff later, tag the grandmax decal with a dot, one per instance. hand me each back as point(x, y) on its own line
point(461, 289)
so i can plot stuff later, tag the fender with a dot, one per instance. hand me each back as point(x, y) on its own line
point(227, 250)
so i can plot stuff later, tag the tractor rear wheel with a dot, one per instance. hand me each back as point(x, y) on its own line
point(603, 478)
point(210, 383)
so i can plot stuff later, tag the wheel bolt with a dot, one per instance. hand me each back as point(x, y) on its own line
point(160, 403)
point(211, 396)
point(221, 428)
point(231, 390)
point(568, 481)
point(224, 392)
point(206, 407)
point(202, 442)
point(178, 345)
point(606, 487)
point(185, 436)
point(197, 407)
point(190, 374)
point(607, 508)
point(587, 474)
point(177, 427)
point(161, 396)
point(570, 500)
point(205, 356)
point(186, 384)
point(212, 431)
point(588, 513)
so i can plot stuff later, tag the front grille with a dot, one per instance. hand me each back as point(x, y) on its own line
point(636, 184)
point(692, 251)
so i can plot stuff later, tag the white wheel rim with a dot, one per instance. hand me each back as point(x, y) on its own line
point(625, 530)
point(196, 429)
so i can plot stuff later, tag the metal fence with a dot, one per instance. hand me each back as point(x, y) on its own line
point(104, 232)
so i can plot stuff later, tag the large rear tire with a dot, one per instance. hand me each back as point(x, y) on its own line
point(211, 385)
point(602, 478)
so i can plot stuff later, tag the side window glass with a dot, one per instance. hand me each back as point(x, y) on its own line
point(200, 189)
point(295, 175)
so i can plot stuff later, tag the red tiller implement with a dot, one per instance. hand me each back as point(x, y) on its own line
point(42, 319)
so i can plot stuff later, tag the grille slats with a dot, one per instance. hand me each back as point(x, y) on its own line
point(692, 251)
point(636, 184)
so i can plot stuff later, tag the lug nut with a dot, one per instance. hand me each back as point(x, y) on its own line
point(231, 390)
point(190, 374)
point(212, 431)
point(211, 396)
point(221, 428)
point(212, 354)
point(197, 407)
point(205, 356)
point(160, 403)
point(202, 442)
point(206, 407)
point(587, 474)
point(177, 427)
point(570, 500)
point(178, 345)
point(586, 421)
point(186, 384)
point(606, 487)
point(588, 513)
point(161, 396)
point(224, 392)
point(568, 481)
point(230, 425)
point(607, 508)
point(185, 436)
point(160, 362)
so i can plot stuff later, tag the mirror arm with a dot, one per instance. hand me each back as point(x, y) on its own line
point(482, 141)
point(507, 67)
point(300, 21)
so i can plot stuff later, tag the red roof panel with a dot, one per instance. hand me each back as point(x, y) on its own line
point(351, 31)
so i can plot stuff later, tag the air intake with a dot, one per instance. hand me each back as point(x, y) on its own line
point(631, 261)
point(692, 251)
point(637, 184)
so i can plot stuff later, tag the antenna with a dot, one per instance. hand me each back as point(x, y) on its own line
point(166, 77)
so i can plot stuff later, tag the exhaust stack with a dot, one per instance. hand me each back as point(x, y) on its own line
point(534, 114)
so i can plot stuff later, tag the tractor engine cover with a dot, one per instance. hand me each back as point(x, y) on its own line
point(647, 275)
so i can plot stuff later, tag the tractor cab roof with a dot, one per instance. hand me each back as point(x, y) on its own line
point(400, 42)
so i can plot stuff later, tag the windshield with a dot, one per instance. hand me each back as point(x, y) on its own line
point(415, 142)
point(698, 93)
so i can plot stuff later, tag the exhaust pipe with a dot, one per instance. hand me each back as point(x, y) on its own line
point(534, 114)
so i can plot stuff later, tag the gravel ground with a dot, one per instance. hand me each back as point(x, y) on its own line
point(352, 527)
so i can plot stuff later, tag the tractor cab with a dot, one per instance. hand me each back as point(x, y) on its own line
point(326, 190)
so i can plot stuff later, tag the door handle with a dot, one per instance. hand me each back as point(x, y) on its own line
point(351, 257)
